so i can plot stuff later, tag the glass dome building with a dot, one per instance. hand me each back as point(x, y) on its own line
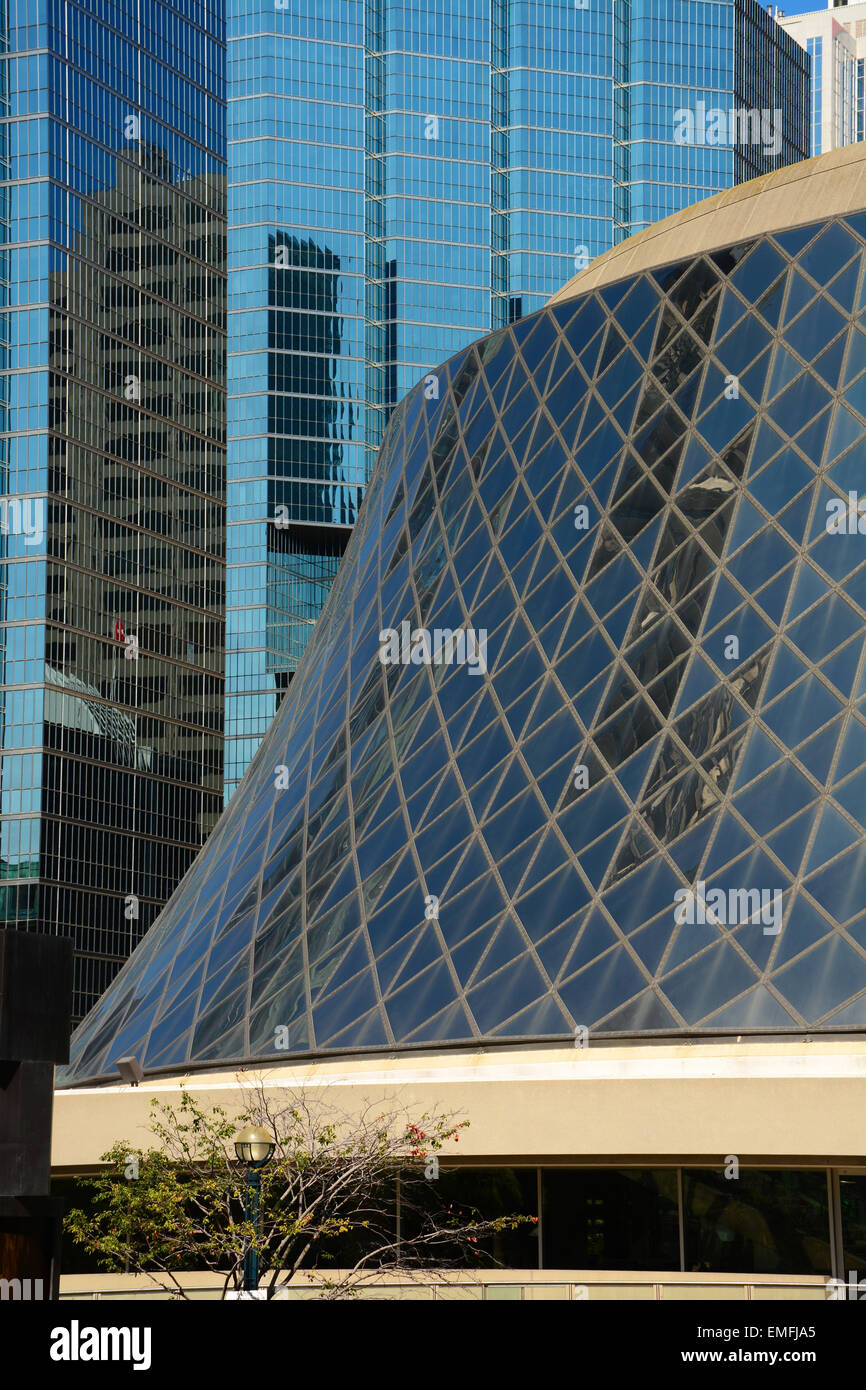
point(580, 738)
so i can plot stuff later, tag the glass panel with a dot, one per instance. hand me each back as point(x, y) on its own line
point(833, 972)
point(478, 1194)
point(819, 324)
point(767, 1221)
point(609, 1219)
point(852, 1194)
point(834, 247)
point(752, 275)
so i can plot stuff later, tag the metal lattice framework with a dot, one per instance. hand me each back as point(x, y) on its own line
point(694, 640)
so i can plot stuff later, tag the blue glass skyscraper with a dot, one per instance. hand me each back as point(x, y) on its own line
point(405, 177)
point(112, 465)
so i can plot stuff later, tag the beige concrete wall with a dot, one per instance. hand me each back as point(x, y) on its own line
point(830, 185)
point(492, 1284)
point(770, 1101)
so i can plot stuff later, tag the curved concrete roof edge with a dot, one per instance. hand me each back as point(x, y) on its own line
point(829, 185)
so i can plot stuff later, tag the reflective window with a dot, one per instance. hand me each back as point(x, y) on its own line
point(609, 1219)
point(770, 1221)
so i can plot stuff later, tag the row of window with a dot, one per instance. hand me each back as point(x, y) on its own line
point(701, 1220)
point(190, 40)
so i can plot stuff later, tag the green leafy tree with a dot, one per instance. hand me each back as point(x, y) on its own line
point(345, 1198)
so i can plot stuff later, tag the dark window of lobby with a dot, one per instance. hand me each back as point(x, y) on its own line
point(852, 1199)
point(595, 1218)
point(461, 1195)
point(766, 1221)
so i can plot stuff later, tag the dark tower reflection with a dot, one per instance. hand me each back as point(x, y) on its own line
point(312, 505)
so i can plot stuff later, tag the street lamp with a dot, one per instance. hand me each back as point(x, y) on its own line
point(254, 1147)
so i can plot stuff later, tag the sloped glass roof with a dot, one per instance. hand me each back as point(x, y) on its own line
point(624, 500)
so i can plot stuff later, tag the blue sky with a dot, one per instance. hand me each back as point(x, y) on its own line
point(801, 6)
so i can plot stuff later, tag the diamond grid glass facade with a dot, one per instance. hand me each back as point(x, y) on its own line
point(405, 178)
point(645, 497)
point(113, 467)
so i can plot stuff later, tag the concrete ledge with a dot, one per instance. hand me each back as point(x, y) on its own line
point(830, 185)
point(679, 1103)
point(492, 1284)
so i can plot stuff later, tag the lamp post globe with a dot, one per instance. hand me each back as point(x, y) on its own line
point(255, 1147)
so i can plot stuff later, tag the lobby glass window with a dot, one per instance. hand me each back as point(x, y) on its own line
point(609, 1219)
point(852, 1198)
point(460, 1195)
point(379, 1210)
point(766, 1221)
